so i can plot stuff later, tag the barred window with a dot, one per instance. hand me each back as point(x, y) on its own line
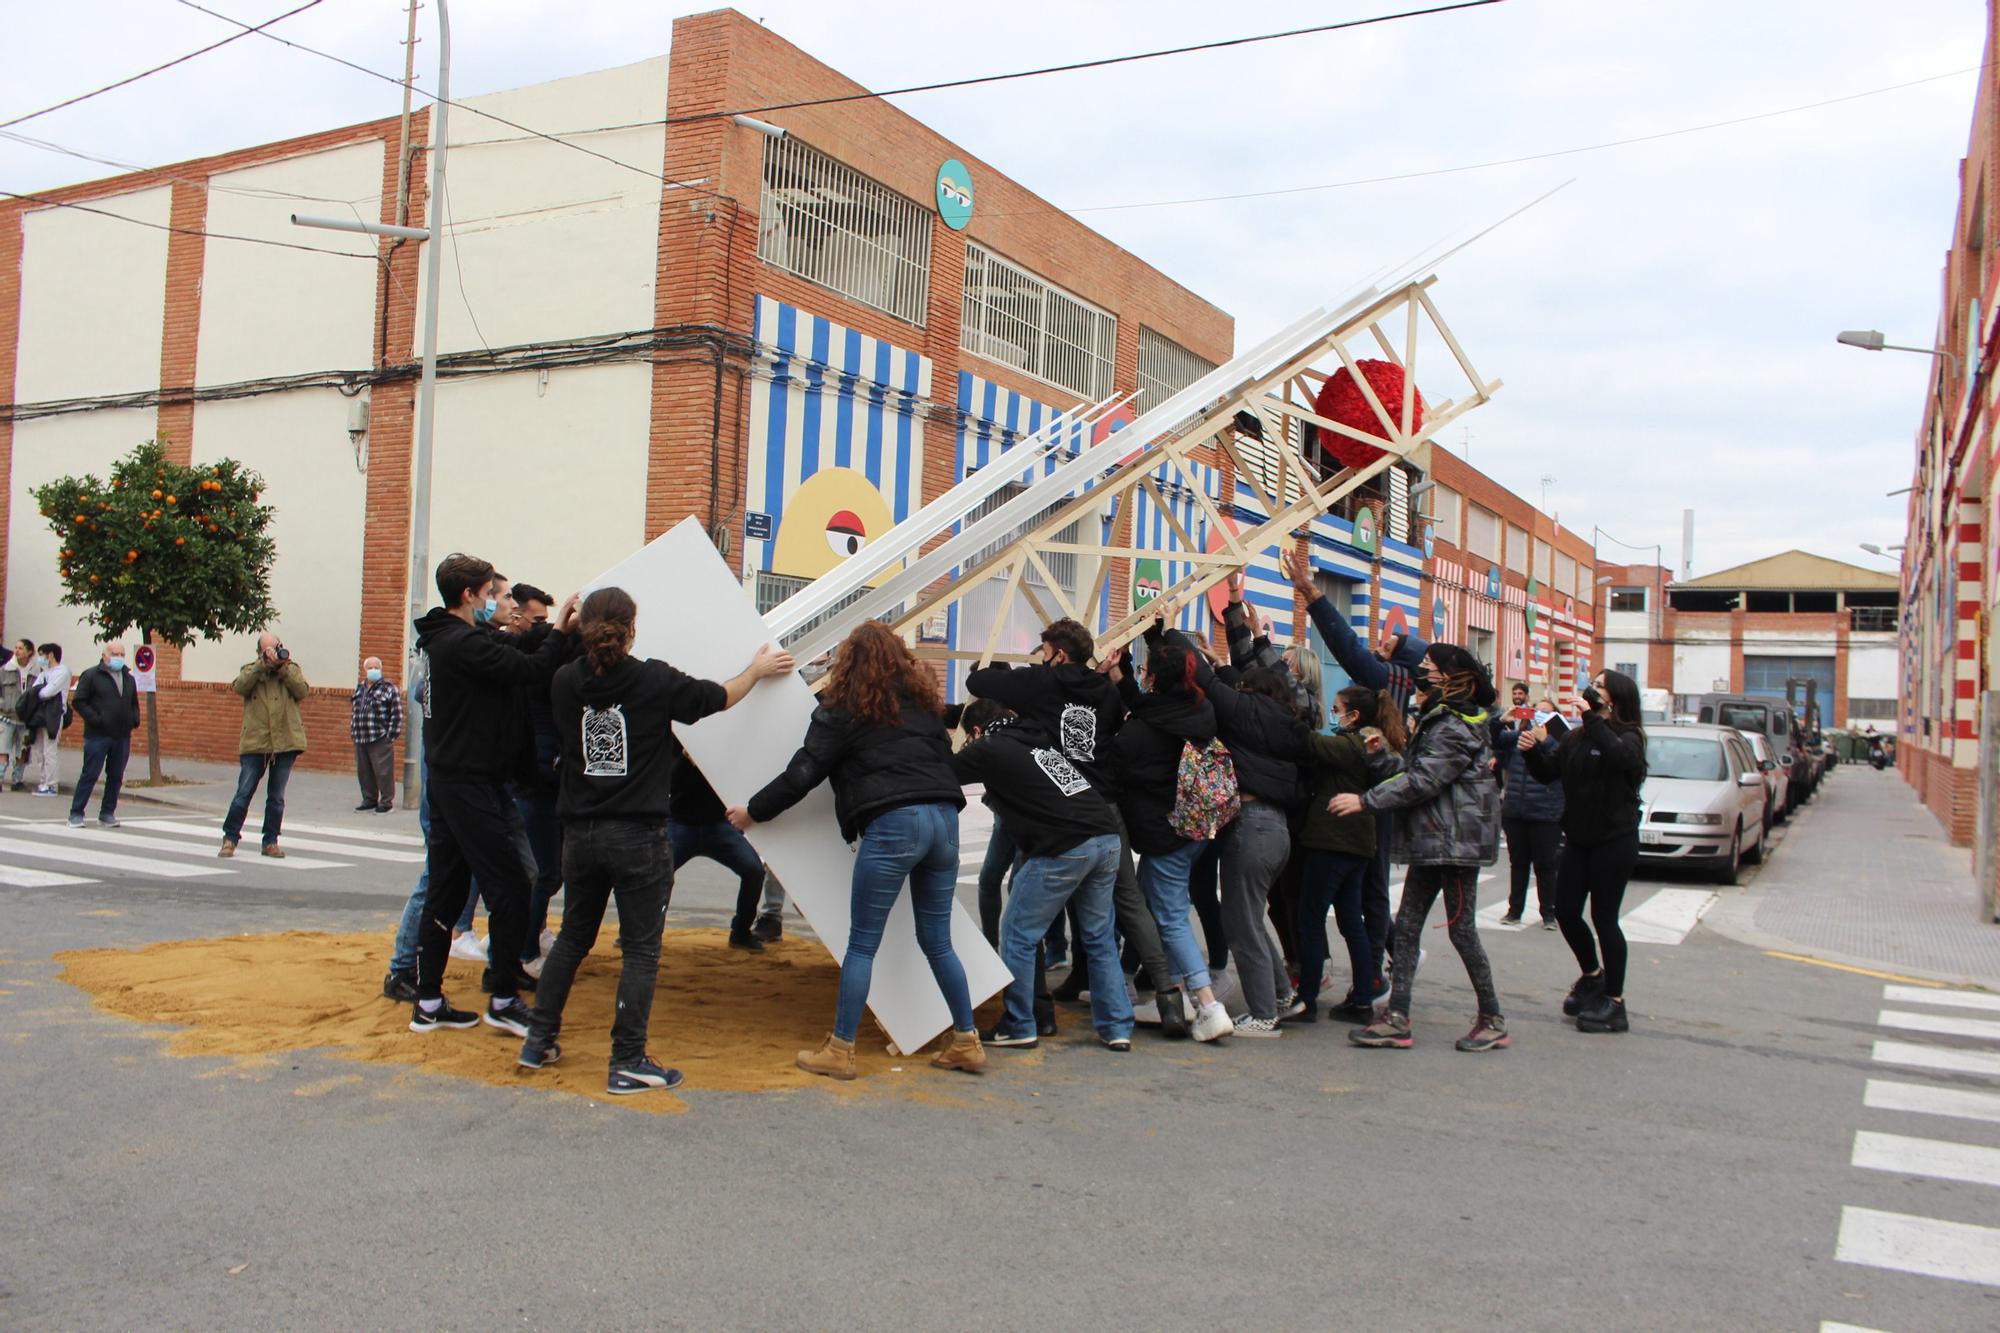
point(771, 589)
point(1165, 368)
point(826, 222)
point(1013, 317)
point(1062, 564)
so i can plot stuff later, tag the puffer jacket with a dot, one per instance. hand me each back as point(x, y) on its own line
point(1146, 755)
point(874, 768)
point(1446, 802)
point(1527, 797)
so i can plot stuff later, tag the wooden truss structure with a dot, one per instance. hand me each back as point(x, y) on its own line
point(946, 552)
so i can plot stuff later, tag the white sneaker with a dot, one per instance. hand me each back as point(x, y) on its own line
point(548, 942)
point(1213, 1022)
point(533, 967)
point(1250, 1026)
point(470, 947)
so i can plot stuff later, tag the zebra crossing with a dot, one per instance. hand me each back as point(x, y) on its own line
point(49, 853)
point(1950, 1120)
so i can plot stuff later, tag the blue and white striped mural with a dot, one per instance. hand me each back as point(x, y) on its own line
point(836, 439)
point(1265, 588)
point(1151, 530)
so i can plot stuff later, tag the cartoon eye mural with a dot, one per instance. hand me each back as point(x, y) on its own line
point(845, 534)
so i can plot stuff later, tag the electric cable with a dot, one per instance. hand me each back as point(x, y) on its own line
point(182, 231)
point(157, 173)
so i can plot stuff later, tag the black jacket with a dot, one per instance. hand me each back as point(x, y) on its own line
point(1146, 755)
point(616, 732)
point(1079, 707)
point(1525, 797)
point(1044, 802)
point(1266, 740)
point(107, 701)
point(692, 801)
point(874, 768)
point(1601, 768)
point(475, 719)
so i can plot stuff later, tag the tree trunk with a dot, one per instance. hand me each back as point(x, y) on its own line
point(152, 738)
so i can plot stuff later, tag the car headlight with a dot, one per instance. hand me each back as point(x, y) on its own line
point(1700, 819)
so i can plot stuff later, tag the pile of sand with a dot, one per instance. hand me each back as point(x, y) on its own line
point(732, 1021)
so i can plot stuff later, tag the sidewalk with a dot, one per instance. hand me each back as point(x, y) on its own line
point(1866, 877)
point(312, 796)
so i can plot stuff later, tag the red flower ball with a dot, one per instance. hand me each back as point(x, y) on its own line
point(1340, 399)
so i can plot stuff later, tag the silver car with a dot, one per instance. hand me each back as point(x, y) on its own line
point(1777, 778)
point(1703, 802)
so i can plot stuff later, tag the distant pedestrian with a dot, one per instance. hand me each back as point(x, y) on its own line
point(273, 737)
point(376, 722)
point(108, 702)
point(51, 690)
point(16, 674)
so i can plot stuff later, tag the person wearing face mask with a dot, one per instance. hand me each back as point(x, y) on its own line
point(108, 702)
point(375, 721)
point(272, 739)
point(50, 687)
point(15, 733)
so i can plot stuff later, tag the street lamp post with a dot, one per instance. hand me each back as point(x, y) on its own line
point(420, 462)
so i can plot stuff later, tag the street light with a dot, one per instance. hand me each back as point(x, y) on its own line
point(1871, 340)
point(420, 463)
point(1882, 551)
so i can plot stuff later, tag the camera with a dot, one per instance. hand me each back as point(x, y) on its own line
point(284, 653)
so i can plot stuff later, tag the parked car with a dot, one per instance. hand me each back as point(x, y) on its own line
point(1703, 802)
point(1777, 778)
point(1774, 720)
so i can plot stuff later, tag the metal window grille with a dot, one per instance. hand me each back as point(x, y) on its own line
point(1062, 564)
point(1399, 503)
point(1262, 456)
point(771, 589)
point(825, 221)
point(1165, 368)
point(1013, 317)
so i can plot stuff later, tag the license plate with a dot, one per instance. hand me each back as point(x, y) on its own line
point(1651, 837)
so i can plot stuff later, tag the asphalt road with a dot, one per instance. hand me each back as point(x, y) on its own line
point(1690, 1175)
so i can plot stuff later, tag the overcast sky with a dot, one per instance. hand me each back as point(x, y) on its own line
point(1664, 326)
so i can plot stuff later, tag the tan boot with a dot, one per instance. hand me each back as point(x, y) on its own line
point(834, 1058)
point(962, 1052)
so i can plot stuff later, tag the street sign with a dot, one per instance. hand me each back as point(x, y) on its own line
point(756, 526)
point(142, 669)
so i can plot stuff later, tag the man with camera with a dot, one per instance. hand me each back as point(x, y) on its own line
point(274, 735)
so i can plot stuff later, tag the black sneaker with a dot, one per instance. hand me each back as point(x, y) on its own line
point(1604, 1014)
point(365, 805)
point(509, 1015)
point(444, 1016)
point(1019, 1041)
point(400, 986)
point(745, 940)
point(1511, 919)
point(1583, 994)
point(768, 927)
point(538, 1057)
point(641, 1075)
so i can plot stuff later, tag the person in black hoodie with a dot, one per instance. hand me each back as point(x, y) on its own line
point(879, 734)
point(1171, 715)
point(475, 733)
point(108, 702)
point(698, 825)
point(1078, 705)
point(1602, 765)
point(614, 717)
point(535, 787)
point(1067, 834)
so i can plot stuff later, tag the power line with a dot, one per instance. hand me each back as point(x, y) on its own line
point(156, 173)
point(145, 73)
point(183, 231)
point(1086, 64)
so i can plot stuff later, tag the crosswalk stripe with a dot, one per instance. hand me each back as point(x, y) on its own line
point(1902, 1155)
point(21, 877)
point(256, 830)
point(1667, 916)
point(1829, 1326)
point(1888, 1095)
point(1926, 1245)
point(1961, 999)
point(108, 860)
point(1936, 1057)
point(355, 850)
point(120, 839)
point(1945, 1025)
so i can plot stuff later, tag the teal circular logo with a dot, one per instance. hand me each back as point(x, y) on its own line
point(954, 194)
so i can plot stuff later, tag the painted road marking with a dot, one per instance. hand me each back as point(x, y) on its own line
point(1960, 999)
point(208, 836)
point(1937, 1057)
point(1828, 1326)
point(109, 860)
point(118, 838)
point(1923, 1245)
point(1667, 916)
point(1888, 1095)
point(256, 830)
point(1945, 1025)
point(23, 878)
point(1902, 1155)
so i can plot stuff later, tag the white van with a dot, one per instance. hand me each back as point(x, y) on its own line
point(1656, 705)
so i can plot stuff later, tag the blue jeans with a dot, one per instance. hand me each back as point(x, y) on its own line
point(1082, 877)
point(249, 772)
point(101, 753)
point(918, 843)
point(1163, 878)
point(1336, 880)
point(722, 844)
point(545, 844)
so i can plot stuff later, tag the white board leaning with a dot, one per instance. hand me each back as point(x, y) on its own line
point(694, 614)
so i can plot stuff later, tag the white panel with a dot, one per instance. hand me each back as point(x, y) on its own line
point(52, 447)
point(299, 442)
point(1697, 666)
point(93, 299)
point(549, 486)
point(269, 311)
point(1872, 670)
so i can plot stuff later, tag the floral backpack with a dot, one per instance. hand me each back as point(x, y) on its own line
point(1205, 797)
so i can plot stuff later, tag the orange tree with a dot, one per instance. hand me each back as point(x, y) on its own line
point(182, 552)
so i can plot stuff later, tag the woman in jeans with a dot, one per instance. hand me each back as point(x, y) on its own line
point(1447, 826)
point(1146, 756)
point(614, 717)
point(1339, 851)
point(1602, 765)
point(879, 734)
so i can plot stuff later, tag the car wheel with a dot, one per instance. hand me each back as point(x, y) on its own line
point(1732, 864)
point(1755, 856)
